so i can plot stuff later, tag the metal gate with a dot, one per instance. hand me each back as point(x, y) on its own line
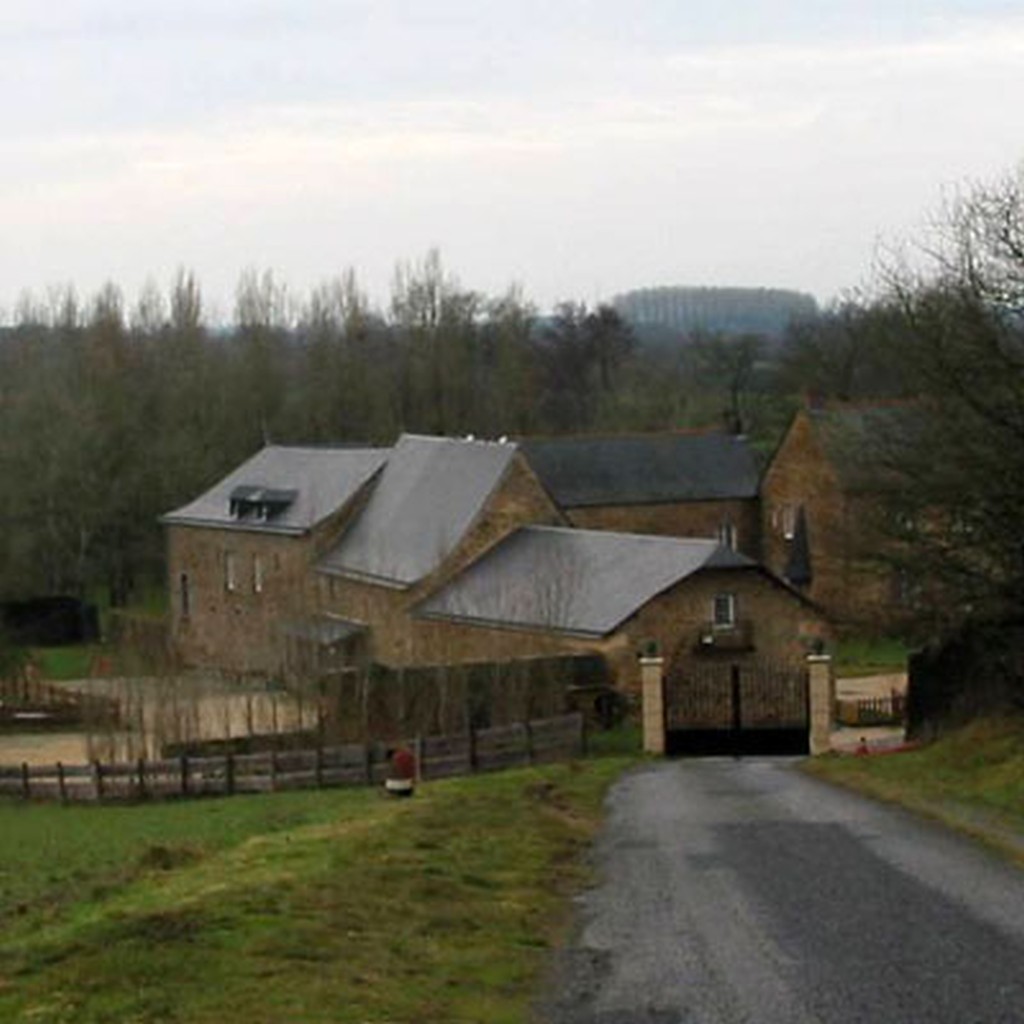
point(736, 709)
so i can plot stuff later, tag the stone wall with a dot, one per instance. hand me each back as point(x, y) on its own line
point(678, 519)
point(853, 589)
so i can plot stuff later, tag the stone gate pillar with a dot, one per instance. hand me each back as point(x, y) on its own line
point(821, 687)
point(652, 692)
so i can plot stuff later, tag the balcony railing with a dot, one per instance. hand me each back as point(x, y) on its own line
point(737, 637)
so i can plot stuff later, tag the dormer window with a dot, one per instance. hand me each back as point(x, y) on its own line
point(262, 504)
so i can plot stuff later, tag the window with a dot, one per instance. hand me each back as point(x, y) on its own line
point(230, 572)
point(724, 611)
point(257, 574)
point(727, 535)
point(787, 520)
point(186, 596)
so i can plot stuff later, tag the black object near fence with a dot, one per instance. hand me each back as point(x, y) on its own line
point(477, 750)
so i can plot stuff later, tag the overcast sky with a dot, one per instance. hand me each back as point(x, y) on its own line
point(576, 148)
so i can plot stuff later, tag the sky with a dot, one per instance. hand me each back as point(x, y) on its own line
point(576, 148)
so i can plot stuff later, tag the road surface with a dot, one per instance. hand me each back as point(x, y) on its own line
point(744, 891)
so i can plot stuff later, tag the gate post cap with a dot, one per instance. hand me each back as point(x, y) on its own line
point(818, 659)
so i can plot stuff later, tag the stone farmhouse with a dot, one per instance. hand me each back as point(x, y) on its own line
point(819, 513)
point(682, 484)
point(445, 551)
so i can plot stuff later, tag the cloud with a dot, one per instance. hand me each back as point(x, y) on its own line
point(554, 150)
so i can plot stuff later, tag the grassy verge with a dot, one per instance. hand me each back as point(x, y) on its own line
point(972, 779)
point(335, 906)
point(870, 656)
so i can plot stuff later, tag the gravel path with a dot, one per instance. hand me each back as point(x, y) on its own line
point(744, 891)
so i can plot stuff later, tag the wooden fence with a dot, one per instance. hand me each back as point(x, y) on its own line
point(866, 711)
point(548, 739)
point(26, 700)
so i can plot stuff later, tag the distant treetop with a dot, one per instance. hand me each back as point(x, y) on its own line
point(665, 313)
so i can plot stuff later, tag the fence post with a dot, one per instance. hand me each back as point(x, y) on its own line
point(97, 779)
point(61, 783)
point(25, 787)
point(531, 755)
point(368, 762)
point(417, 749)
point(319, 768)
point(471, 751)
point(582, 734)
point(652, 692)
point(141, 767)
point(184, 775)
point(229, 774)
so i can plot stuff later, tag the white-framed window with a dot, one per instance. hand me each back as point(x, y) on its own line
point(727, 535)
point(723, 611)
point(257, 574)
point(230, 572)
point(787, 521)
point(784, 520)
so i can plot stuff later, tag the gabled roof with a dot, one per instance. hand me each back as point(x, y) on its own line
point(583, 582)
point(429, 495)
point(643, 468)
point(317, 482)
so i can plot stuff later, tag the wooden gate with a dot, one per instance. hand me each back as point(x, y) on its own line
point(736, 709)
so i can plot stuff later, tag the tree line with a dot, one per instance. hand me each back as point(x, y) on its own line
point(112, 412)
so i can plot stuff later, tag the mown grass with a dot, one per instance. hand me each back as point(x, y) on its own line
point(973, 777)
point(870, 656)
point(335, 906)
point(73, 661)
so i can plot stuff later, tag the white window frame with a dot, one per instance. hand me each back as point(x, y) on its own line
point(257, 574)
point(724, 602)
point(788, 521)
point(230, 572)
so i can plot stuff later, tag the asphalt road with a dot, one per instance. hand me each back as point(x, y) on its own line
point(744, 891)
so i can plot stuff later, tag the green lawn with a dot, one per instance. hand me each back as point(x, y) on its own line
point(870, 656)
point(973, 778)
point(332, 906)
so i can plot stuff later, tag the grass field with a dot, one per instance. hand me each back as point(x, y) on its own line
point(331, 906)
point(973, 778)
point(870, 656)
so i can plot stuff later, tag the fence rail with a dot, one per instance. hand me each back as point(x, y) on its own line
point(873, 710)
point(25, 700)
point(548, 739)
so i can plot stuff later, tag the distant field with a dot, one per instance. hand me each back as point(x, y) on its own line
point(328, 906)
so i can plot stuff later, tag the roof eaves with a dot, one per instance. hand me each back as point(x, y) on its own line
point(170, 519)
point(515, 627)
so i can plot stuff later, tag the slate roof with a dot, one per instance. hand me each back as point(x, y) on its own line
point(643, 469)
point(582, 582)
point(323, 480)
point(429, 495)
